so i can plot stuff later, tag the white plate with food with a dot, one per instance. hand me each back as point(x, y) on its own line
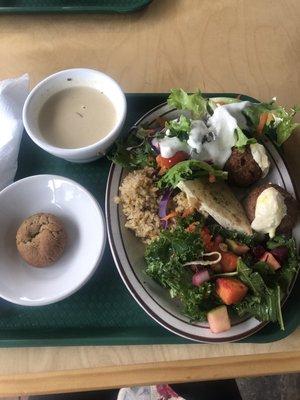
point(201, 215)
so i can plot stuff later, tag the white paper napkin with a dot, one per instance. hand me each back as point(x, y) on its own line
point(13, 93)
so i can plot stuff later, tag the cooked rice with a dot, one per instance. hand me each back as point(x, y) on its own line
point(139, 199)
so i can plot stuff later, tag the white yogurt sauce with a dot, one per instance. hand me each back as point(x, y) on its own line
point(260, 157)
point(235, 110)
point(269, 212)
point(169, 146)
point(198, 132)
point(223, 125)
point(212, 141)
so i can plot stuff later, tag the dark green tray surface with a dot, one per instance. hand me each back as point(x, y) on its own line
point(67, 6)
point(102, 312)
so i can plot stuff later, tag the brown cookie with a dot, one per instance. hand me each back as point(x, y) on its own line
point(41, 239)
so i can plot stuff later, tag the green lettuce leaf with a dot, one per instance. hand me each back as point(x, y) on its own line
point(180, 128)
point(279, 125)
point(195, 103)
point(188, 170)
point(242, 140)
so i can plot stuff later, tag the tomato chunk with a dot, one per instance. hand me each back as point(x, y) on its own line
point(169, 162)
point(206, 237)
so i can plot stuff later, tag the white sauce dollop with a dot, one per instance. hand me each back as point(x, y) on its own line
point(169, 146)
point(260, 157)
point(269, 212)
point(223, 125)
point(211, 142)
point(198, 132)
point(235, 110)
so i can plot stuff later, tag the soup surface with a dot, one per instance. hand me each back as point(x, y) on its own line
point(76, 117)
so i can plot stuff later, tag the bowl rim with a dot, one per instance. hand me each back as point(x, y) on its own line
point(76, 151)
point(100, 252)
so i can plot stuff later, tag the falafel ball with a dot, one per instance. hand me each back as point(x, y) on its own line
point(243, 170)
point(287, 223)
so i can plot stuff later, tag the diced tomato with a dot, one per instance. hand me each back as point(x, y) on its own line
point(228, 261)
point(191, 228)
point(231, 291)
point(206, 237)
point(167, 163)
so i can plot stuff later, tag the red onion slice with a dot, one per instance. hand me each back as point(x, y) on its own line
point(163, 206)
point(200, 277)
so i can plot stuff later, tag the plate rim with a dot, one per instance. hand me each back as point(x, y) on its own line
point(130, 286)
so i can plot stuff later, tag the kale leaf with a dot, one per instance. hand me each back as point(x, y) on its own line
point(249, 240)
point(165, 257)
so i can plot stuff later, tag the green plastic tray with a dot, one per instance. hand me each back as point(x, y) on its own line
point(102, 312)
point(67, 6)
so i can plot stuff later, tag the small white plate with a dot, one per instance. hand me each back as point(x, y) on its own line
point(83, 219)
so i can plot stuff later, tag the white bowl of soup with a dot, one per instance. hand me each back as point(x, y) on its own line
point(75, 114)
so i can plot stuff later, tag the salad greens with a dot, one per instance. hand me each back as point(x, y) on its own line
point(267, 308)
point(133, 152)
point(234, 235)
point(188, 170)
point(278, 122)
point(165, 257)
point(195, 103)
point(136, 151)
point(242, 140)
point(179, 128)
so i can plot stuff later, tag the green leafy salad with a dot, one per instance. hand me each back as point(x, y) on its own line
point(217, 257)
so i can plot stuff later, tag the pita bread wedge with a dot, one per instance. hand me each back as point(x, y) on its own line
point(217, 200)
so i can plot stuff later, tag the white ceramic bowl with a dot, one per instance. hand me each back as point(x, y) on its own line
point(63, 80)
point(83, 219)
